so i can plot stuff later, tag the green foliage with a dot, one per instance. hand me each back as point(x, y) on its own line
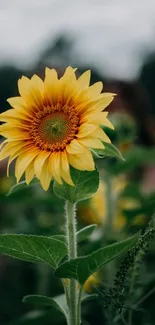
point(132, 260)
point(43, 301)
point(33, 248)
point(135, 157)
point(81, 268)
point(87, 297)
point(21, 186)
point(109, 151)
point(85, 232)
point(86, 185)
point(82, 234)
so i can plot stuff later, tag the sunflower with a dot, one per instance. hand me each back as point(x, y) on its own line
point(53, 124)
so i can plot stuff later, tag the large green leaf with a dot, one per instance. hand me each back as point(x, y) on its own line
point(86, 185)
point(33, 248)
point(81, 268)
point(58, 302)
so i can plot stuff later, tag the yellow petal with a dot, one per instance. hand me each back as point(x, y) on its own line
point(54, 166)
point(103, 95)
point(69, 90)
point(97, 105)
point(31, 91)
point(39, 162)
point(23, 162)
point(29, 173)
point(92, 142)
point(104, 100)
point(11, 158)
point(51, 85)
point(10, 149)
point(101, 135)
point(88, 94)
point(108, 124)
point(13, 133)
point(95, 89)
point(74, 147)
point(67, 74)
point(12, 115)
point(17, 102)
point(37, 83)
point(68, 85)
point(16, 123)
point(50, 76)
point(24, 87)
point(16, 154)
point(98, 119)
point(86, 129)
point(84, 80)
point(82, 161)
point(64, 168)
point(3, 143)
point(94, 118)
point(45, 177)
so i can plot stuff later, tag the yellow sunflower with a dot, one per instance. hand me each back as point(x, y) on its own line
point(53, 124)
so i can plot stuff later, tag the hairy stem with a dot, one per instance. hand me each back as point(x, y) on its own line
point(72, 253)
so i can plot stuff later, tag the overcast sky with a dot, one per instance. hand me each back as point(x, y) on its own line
point(113, 35)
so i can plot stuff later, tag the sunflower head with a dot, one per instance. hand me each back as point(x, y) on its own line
point(54, 124)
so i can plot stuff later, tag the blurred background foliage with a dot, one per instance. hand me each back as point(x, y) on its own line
point(123, 205)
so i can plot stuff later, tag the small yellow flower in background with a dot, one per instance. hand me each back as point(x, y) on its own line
point(127, 204)
point(5, 184)
point(53, 124)
point(92, 282)
point(94, 210)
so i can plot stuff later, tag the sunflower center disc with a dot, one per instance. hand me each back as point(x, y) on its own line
point(55, 128)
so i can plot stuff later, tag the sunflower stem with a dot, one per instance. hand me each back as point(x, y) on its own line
point(72, 253)
point(79, 306)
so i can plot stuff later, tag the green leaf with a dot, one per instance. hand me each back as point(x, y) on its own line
point(81, 268)
point(109, 151)
point(86, 185)
point(43, 301)
point(20, 186)
point(33, 248)
point(85, 232)
point(59, 237)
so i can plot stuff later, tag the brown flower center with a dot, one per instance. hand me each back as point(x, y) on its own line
point(55, 127)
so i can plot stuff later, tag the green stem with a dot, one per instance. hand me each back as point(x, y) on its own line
point(79, 306)
point(66, 291)
point(72, 253)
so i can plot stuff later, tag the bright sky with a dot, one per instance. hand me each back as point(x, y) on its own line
point(112, 35)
